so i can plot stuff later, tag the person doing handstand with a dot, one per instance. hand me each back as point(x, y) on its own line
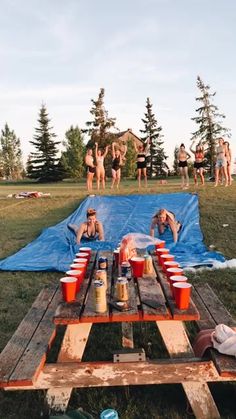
point(164, 219)
point(89, 230)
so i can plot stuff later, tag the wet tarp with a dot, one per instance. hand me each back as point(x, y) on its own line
point(55, 248)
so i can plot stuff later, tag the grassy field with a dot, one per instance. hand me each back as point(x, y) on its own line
point(22, 220)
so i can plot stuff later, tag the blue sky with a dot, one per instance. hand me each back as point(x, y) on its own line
point(62, 53)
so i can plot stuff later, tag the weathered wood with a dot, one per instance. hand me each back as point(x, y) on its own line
point(150, 289)
point(17, 345)
point(201, 400)
point(129, 355)
point(72, 348)
point(175, 338)
point(69, 313)
point(123, 316)
point(35, 353)
point(206, 321)
point(190, 314)
point(132, 373)
point(127, 335)
point(216, 308)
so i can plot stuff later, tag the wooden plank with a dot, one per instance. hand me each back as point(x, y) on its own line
point(131, 373)
point(186, 315)
point(175, 338)
point(34, 357)
point(201, 400)
point(150, 290)
point(206, 321)
point(125, 316)
point(89, 314)
point(216, 308)
point(69, 313)
point(18, 343)
point(225, 364)
point(73, 346)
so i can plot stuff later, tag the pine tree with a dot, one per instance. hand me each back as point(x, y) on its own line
point(73, 158)
point(209, 123)
point(44, 162)
point(175, 163)
point(156, 161)
point(129, 168)
point(10, 155)
point(99, 128)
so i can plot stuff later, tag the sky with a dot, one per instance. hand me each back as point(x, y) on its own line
point(61, 53)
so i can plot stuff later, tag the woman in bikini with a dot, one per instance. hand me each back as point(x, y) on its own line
point(183, 157)
point(89, 161)
point(199, 162)
point(142, 151)
point(164, 219)
point(228, 155)
point(221, 162)
point(100, 170)
point(117, 162)
point(90, 230)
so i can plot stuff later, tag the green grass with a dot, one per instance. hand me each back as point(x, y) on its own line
point(21, 221)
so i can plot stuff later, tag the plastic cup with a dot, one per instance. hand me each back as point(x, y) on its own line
point(160, 245)
point(170, 264)
point(85, 250)
point(68, 288)
point(83, 255)
point(166, 258)
point(137, 266)
point(182, 292)
point(109, 414)
point(176, 278)
point(81, 260)
point(161, 251)
point(78, 266)
point(77, 273)
point(173, 271)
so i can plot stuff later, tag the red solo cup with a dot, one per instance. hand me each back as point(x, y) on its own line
point(173, 271)
point(162, 251)
point(78, 267)
point(182, 291)
point(116, 254)
point(68, 288)
point(176, 278)
point(160, 245)
point(170, 264)
point(137, 265)
point(84, 261)
point(86, 250)
point(83, 255)
point(79, 274)
point(166, 258)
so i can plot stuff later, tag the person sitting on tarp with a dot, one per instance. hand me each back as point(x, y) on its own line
point(89, 230)
point(164, 219)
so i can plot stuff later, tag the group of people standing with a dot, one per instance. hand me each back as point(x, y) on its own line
point(222, 166)
point(96, 166)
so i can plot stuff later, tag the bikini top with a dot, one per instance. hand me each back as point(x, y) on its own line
point(91, 236)
point(199, 155)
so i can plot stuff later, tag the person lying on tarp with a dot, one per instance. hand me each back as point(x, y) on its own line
point(89, 230)
point(164, 219)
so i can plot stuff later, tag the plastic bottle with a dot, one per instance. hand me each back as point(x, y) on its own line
point(109, 414)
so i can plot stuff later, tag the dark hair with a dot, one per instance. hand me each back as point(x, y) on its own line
point(182, 145)
point(91, 211)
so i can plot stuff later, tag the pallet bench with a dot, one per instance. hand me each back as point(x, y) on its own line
point(213, 312)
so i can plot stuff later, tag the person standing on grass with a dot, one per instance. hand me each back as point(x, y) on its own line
point(142, 151)
point(228, 154)
point(198, 166)
point(100, 170)
point(89, 161)
point(183, 157)
point(221, 162)
point(117, 162)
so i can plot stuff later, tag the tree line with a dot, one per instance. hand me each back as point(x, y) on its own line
point(46, 164)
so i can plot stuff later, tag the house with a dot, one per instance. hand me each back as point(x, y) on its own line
point(124, 136)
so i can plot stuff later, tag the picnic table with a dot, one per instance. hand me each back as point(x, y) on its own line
point(23, 361)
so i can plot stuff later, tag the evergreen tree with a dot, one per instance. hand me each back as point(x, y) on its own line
point(10, 155)
point(176, 162)
point(72, 159)
point(129, 168)
point(156, 161)
point(99, 128)
point(44, 162)
point(209, 122)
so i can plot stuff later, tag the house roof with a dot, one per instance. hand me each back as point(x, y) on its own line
point(121, 133)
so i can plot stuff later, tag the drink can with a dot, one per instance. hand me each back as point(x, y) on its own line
point(148, 268)
point(122, 289)
point(102, 263)
point(126, 270)
point(100, 301)
point(101, 275)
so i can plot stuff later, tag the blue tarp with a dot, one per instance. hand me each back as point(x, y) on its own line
point(55, 248)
